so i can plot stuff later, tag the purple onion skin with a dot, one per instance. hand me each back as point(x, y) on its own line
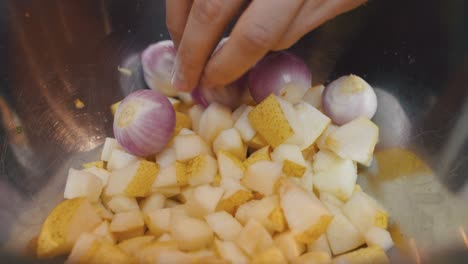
point(144, 122)
point(158, 61)
point(276, 71)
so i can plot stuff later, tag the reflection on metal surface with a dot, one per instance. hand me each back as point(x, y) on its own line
point(463, 235)
point(414, 251)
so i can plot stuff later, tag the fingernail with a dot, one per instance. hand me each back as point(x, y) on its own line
point(178, 81)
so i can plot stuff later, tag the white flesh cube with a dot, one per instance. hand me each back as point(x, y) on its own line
point(289, 246)
point(238, 112)
point(262, 176)
point(203, 170)
point(165, 237)
point(355, 140)
point(342, 235)
point(320, 245)
point(120, 159)
point(231, 252)
point(224, 225)
point(243, 125)
point(137, 175)
point(313, 96)
point(100, 173)
point(377, 236)
point(158, 221)
point(153, 202)
point(82, 184)
point(303, 210)
point(127, 221)
point(81, 247)
point(230, 166)
point(204, 199)
point(120, 204)
point(313, 121)
point(307, 181)
point(214, 119)
point(166, 177)
point(331, 199)
point(259, 210)
point(195, 113)
point(185, 131)
point(254, 238)
point(190, 146)
point(103, 231)
point(166, 157)
point(323, 137)
point(109, 145)
point(334, 175)
point(191, 233)
point(230, 141)
point(288, 152)
point(364, 212)
point(171, 203)
point(294, 122)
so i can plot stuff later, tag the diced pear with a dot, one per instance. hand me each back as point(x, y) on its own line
point(313, 122)
point(81, 248)
point(94, 164)
point(232, 202)
point(276, 222)
point(158, 221)
point(102, 211)
point(257, 142)
point(185, 194)
point(135, 180)
point(214, 119)
point(307, 218)
point(82, 184)
point(243, 125)
point(291, 157)
point(270, 255)
point(224, 225)
point(341, 234)
point(293, 169)
point(120, 159)
point(64, 225)
point(133, 245)
point(165, 237)
point(307, 180)
point(154, 251)
point(120, 204)
point(262, 177)
point(329, 198)
point(182, 121)
point(238, 112)
point(103, 232)
point(320, 245)
point(167, 176)
point(261, 154)
point(208, 259)
point(313, 96)
point(377, 236)
point(127, 221)
point(355, 140)
point(338, 179)
point(289, 246)
point(191, 233)
point(230, 251)
point(170, 203)
point(170, 256)
point(254, 238)
point(260, 210)
point(323, 137)
point(195, 114)
point(368, 255)
point(294, 121)
point(201, 170)
point(230, 141)
point(102, 174)
point(364, 212)
point(104, 252)
point(109, 145)
point(313, 258)
point(325, 159)
point(190, 146)
point(166, 157)
point(167, 191)
point(153, 202)
point(175, 102)
point(230, 166)
point(204, 199)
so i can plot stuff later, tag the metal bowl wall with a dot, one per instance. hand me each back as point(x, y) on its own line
point(413, 52)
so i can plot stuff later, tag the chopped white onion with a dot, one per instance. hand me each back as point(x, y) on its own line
point(158, 61)
point(144, 122)
point(281, 73)
point(348, 98)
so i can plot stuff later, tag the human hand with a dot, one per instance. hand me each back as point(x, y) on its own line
point(196, 26)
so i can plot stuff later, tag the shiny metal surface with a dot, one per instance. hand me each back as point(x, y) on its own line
point(413, 52)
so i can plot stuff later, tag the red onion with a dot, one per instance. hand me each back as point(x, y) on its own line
point(229, 95)
point(144, 122)
point(158, 61)
point(348, 98)
point(281, 73)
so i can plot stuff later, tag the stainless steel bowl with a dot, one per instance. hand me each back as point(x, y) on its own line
point(58, 53)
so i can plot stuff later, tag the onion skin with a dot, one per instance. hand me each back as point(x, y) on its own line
point(158, 61)
point(348, 98)
point(144, 122)
point(281, 73)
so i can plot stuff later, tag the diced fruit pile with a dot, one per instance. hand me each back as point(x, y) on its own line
point(272, 182)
